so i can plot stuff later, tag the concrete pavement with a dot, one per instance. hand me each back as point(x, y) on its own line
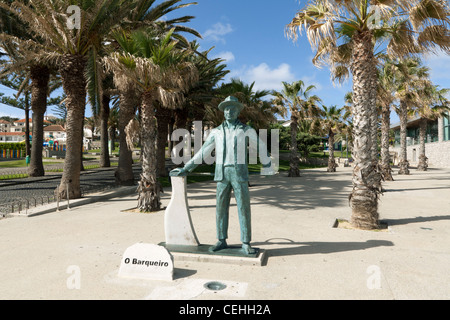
point(292, 221)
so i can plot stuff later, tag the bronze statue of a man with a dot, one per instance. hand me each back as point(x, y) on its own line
point(230, 141)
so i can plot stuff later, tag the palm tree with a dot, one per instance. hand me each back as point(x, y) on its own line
point(331, 124)
point(68, 47)
point(336, 27)
point(435, 105)
point(386, 97)
point(14, 35)
point(411, 79)
point(301, 104)
point(258, 112)
point(145, 14)
point(162, 75)
point(128, 103)
point(197, 98)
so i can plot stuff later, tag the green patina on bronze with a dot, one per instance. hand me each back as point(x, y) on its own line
point(230, 173)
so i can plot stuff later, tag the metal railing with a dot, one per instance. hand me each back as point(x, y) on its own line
point(22, 205)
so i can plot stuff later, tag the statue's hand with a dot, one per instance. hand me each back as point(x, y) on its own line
point(269, 169)
point(178, 172)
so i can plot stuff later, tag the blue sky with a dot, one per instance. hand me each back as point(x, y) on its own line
point(249, 34)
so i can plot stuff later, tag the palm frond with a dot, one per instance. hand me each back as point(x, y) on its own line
point(428, 9)
point(435, 38)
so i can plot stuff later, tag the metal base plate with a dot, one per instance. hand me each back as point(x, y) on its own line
point(231, 254)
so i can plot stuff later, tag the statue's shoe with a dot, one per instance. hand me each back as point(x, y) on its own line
point(247, 249)
point(221, 244)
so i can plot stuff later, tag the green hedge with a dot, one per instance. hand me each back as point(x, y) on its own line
point(12, 146)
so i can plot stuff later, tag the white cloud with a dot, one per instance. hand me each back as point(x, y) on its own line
point(264, 77)
point(217, 32)
point(440, 66)
point(228, 56)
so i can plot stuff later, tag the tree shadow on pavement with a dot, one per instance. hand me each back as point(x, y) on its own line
point(394, 222)
point(313, 189)
point(317, 247)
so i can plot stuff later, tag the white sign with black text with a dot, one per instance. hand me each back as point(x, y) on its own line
point(147, 261)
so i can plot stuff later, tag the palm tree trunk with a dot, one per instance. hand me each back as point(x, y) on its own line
point(124, 172)
point(375, 176)
point(163, 118)
point(403, 164)
point(170, 130)
point(423, 160)
point(81, 146)
point(364, 197)
point(181, 118)
point(72, 69)
point(27, 127)
point(294, 171)
point(331, 162)
point(181, 122)
point(149, 188)
point(104, 115)
point(39, 87)
point(386, 169)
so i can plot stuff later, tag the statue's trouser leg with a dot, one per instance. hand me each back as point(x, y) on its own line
point(241, 193)
point(223, 197)
point(242, 196)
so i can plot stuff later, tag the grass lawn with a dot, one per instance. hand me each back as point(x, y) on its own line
point(20, 163)
point(321, 154)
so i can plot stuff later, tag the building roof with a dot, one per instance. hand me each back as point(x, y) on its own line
point(22, 120)
point(54, 127)
point(12, 133)
point(29, 120)
point(412, 122)
point(4, 121)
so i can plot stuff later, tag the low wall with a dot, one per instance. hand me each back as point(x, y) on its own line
point(315, 161)
point(50, 153)
point(438, 154)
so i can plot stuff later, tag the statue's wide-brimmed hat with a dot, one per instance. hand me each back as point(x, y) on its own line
point(231, 101)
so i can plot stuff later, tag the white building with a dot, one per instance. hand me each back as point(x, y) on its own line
point(19, 125)
point(12, 136)
point(55, 132)
point(437, 142)
point(5, 126)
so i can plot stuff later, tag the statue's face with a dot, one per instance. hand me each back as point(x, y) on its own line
point(231, 113)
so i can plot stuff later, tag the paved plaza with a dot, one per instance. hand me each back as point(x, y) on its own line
point(293, 218)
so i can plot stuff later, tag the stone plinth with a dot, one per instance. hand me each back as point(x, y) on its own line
point(177, 219)
point(147, 261)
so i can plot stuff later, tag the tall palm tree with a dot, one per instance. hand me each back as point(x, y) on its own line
point(411, 79)
point(301, 104)
point(68, 46)
point(386, 98)
point(199, 95)
point(435, 105)
point(334, 27)
point(331, 124)
point(144, 14)
point(258, 112)
point(128, 104)
point(14, 35)
point(161, 73)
